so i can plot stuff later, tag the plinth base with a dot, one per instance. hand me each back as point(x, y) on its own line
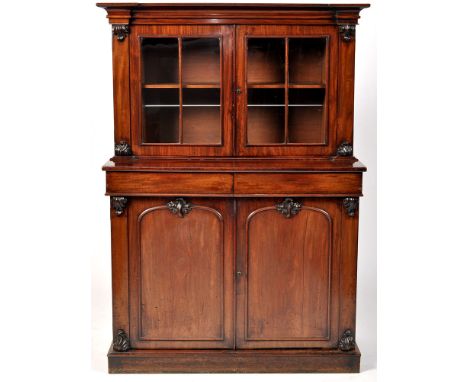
point(235, 361)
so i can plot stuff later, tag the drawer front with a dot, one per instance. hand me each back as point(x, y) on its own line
point(128, 183)
point(317, 184)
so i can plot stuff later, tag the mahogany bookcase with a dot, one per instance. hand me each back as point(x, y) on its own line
point(234, 192)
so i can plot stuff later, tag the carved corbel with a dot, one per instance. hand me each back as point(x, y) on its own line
point(119, 203)
point(347, 32)
point(345, 149)
point(121, 342)
point(346, 342)
point(179, 207)
point(122, 149)
point(288, 208)
point(351, 205)
point(120, 31)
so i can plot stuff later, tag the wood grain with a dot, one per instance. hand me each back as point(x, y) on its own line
point(287, 294)
point(181, 269)
point(345, 116)
point(235, 165)
point(288, 274)
point(204, 13)
point(298, 184)
point(121, 82)
point(348, 270)
point(121, 183)
point(119, 246)
point(235, 361)
point(181, 275)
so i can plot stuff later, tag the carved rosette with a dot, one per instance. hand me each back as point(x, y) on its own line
point(347, 32)
point(346, 342)
point(179, 207)
point(288, 208)
point(122, 149)
point(345, 149)
point(119, 203)
point(120, 31)
point(121, 342)
point(351, 205)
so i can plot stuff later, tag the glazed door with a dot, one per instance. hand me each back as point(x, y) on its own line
point(181, 273)
point(181, 90)
point(287, 273)
point(286, 90)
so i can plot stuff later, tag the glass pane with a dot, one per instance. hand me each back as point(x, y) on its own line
point(201, 116)
point(265, 118)
point(161, 97)
point(201, 97)
point(160, 115)
point(305, 116)
point(265, 60)
point(200, 61)
point(307, 61)
point(160, 60)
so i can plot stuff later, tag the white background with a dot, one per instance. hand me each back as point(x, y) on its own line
point(56, 123)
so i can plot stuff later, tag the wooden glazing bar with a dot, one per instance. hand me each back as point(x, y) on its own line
point(181, 135)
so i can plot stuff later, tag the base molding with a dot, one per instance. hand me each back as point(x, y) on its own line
point(235, 361)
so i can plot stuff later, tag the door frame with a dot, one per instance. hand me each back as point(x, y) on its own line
point(223, 208)
point(243, 32)
point(226, 35)
point(245, 209)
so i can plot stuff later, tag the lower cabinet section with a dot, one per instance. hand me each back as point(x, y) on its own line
point(226, 273)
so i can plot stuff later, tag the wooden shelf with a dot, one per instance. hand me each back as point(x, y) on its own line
point(266, 86)
point(307, 86)
point(160, 86)
point(201, 86)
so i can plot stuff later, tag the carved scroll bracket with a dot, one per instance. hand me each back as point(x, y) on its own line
point(346, 342)
point(351, 205)
point(345, 149)
point(119, 203)
point(120, 31)
point(347, 32)
point(122, 149)
point(179, 207)
point(121, 342)
point(288, 207)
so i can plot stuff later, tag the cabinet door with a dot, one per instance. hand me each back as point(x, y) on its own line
point(287, 273)
point(181, 90)
point(181, 273)
point(286, 84)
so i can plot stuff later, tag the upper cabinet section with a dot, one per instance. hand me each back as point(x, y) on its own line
point(233, 80)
